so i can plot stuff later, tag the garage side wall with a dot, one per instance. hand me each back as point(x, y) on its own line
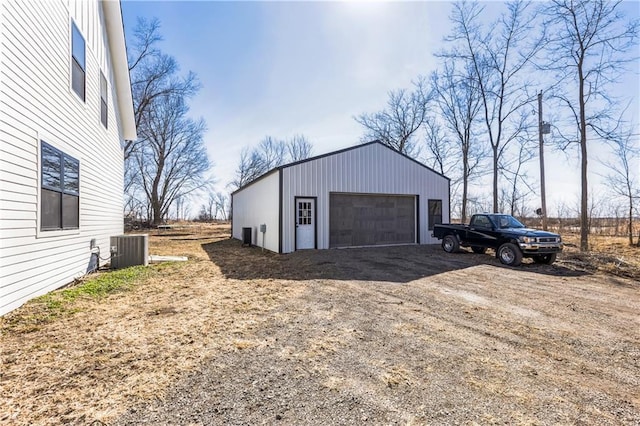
point(369, 169)
point(255, 205)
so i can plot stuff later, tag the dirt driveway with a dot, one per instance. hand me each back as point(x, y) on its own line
point(402, 335)
point(410, 335)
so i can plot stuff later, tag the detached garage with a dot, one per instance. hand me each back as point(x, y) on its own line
point(366, 195)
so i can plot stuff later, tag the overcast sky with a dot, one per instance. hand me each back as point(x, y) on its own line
point(286, 68)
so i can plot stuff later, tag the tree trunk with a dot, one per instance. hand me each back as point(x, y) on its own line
point(157, 213)
point(514, 195)
point(495, 179)
point(465, 185)
point(631, 222)
point(584, 207)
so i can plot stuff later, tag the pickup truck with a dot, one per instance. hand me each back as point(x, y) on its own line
point(505, 234)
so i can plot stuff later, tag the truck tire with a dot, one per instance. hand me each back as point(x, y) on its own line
point(450, 243)
point(479, 250)
point(509, 254)
point(546, 259)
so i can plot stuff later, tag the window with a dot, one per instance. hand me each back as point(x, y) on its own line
point(481, 221)
point(304, 213)
point(77, 62)
point(60, 190)
point(103, 100)
point(435, 213)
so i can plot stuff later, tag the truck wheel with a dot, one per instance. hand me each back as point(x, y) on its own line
point(547, 259)
point(509, 254)
point(450, 243)
point(479, 250)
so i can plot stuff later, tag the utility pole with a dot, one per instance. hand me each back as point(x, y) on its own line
point(542, 129)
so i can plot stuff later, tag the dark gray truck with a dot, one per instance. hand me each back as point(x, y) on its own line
point(505, 234)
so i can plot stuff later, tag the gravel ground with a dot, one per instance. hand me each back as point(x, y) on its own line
point(412, 335)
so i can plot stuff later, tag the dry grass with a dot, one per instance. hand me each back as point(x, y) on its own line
point(103, 354)
point(607, 254)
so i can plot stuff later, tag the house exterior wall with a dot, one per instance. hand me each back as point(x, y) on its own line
point(255, 205)
point(38, 104)
point(370, 169)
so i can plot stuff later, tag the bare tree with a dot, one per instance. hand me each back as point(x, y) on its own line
point(512, 165)
point(458, 98)
point(273, 152)
point(397, 124)
point(250, 168)
point(269, 154)
point(208, 210)
point(182, 207)
point(512, 168)
point(204, 215)
point(562, 212)
point(214, 207)
point(221, 201)
point(299, 148)
point(153, 74)
point(623, 177)
point(589, 49)
point(441, 153)
point(173, 160)
point(156, 87)
point(499, 57)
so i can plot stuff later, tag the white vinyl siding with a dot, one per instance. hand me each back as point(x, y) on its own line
point(369, 169)
point(37, 103)
point(255, 205)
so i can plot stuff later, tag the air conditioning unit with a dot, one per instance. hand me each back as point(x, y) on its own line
point(129, 250)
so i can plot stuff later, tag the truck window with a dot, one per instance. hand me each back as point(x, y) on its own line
point(481, 221)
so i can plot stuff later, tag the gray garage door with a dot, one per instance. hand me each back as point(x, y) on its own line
point(368, 220)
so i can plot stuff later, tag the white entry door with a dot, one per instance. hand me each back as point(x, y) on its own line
point(305, 223)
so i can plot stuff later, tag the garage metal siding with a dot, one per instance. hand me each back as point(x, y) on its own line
point(367, 169)
point(255, 205)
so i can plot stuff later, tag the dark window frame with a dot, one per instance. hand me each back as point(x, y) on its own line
point(434, 217)
point(62, 189)
point(78, 62)
point(104, 98)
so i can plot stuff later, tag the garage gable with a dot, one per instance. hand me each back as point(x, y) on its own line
point(365, 195)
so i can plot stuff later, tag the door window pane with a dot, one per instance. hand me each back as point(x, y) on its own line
point(304, 213)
